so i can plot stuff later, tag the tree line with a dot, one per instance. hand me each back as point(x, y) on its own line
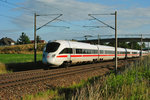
point(129, 45)
point(24, 39)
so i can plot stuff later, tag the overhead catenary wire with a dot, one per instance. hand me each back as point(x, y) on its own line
point(58, 26)
point(15, 18)
point(49, 21)
point(70, 23)
point(101, 22)
point(25, 8)
point(95, 26)
point(15, 5)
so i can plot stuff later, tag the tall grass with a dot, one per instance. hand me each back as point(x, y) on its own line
point(3, 69)
point(133, 84)
point(48, 95)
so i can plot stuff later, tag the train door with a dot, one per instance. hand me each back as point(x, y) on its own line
point(70, 51)
point(69, 54)
point(126, 53)
point(98, 53)
point(72, 56)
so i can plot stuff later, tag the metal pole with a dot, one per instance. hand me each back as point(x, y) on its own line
point(148, 47)
point(35, 41)
point(98, 39)
point(141, 45)
point(116, 42)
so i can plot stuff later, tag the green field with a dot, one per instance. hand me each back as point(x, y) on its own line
point(18, 58)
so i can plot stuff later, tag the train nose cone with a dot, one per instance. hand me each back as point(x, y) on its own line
point(44, 60)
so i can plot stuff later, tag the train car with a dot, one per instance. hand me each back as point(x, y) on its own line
point(63, 52)
point(69, 52)
point(145, 53)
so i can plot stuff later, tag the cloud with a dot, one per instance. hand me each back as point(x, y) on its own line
point(135, 12)
point(133, 19)
point(74, 11)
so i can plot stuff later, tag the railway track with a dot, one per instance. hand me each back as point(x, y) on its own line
point(14, 85)
point(22, 78)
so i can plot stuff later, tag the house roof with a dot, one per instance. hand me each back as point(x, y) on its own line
point(6, 41)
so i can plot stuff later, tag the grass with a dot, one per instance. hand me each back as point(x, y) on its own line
point(133, 84)
point(18, 58)
point(42, 95)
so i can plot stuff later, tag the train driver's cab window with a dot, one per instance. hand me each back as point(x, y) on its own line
point(66, 51)
point(52, 46)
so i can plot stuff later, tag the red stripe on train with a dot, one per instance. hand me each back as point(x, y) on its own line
point(62, 56)
point(76, 55)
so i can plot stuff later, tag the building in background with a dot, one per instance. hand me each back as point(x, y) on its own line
point(40, 41)
point(6, 42)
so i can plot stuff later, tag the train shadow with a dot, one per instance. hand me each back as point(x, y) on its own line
point(15, 67)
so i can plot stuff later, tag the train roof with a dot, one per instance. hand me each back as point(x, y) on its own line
point(75, 44)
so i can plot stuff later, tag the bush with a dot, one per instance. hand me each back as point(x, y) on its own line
point(17, 49)
point(2, 68)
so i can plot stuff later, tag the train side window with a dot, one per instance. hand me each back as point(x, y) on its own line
point(66, 51)
point(78, 51)
point(94, 52)
point(101, 51)
point(108, 52)
point(84, 51)
point(113, 52)
point(134, 52)
point(89, 51)
point(128, 52)
point(122, 52)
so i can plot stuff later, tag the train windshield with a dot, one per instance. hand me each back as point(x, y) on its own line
point(52, 47)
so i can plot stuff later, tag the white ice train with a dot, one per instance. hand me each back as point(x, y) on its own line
point(62, 52)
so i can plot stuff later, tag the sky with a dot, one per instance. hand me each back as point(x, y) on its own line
point(17, 16)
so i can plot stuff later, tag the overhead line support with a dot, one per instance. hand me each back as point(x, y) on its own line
point(49, 22)
point(35, 29)
point(116, 40)
point(35, 40)
point(101, 22)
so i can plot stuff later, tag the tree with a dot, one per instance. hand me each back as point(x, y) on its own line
point(143, 45)
point(134, 45)
point(38, 39)
point(23, 39)
point(123, 44)
point(111, 44)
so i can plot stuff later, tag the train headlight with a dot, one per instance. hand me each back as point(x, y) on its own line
point(53, 55)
